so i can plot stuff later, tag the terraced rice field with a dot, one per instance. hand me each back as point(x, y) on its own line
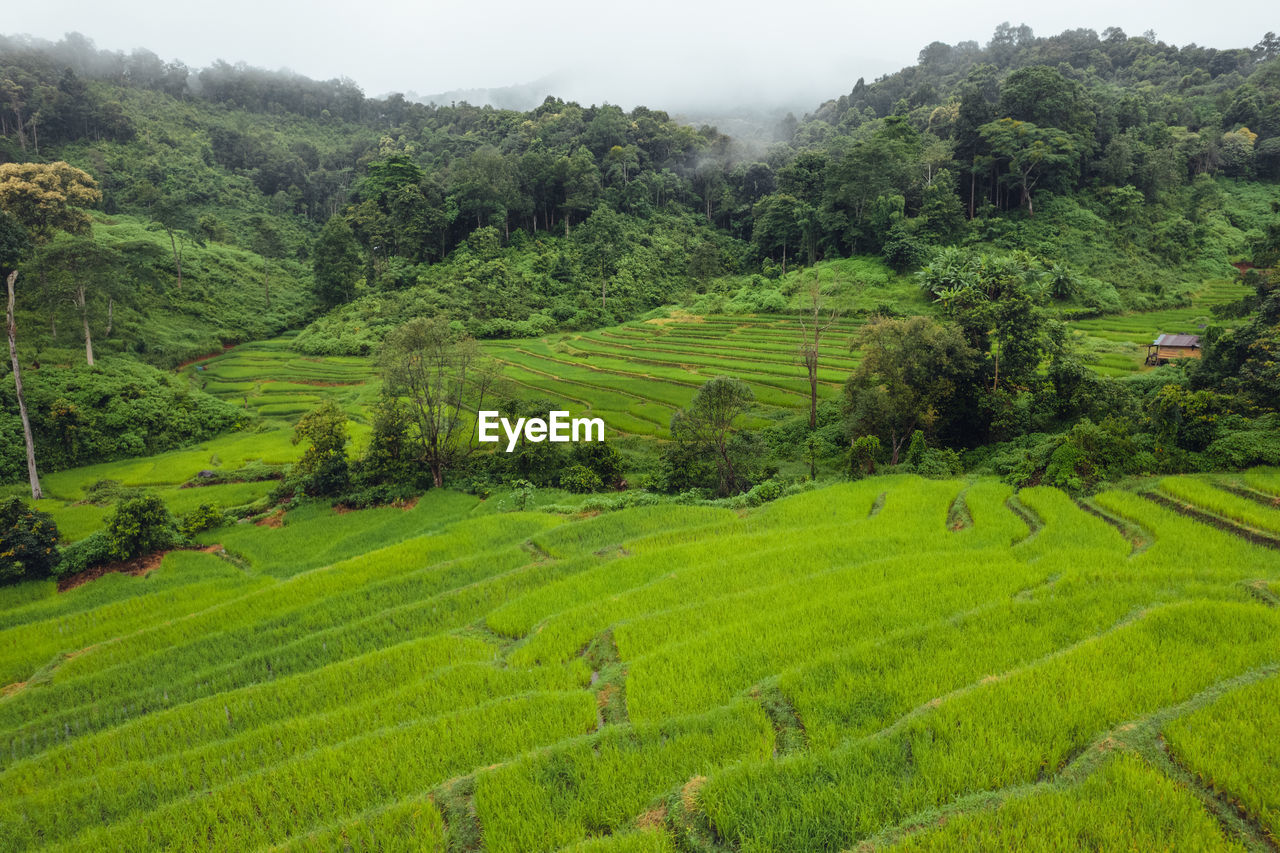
point(889, 663)
point(269, 378)
point(1119, 341)
point(637, 374)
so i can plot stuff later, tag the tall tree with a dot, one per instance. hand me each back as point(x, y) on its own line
point(42, 199)
point(444, 380)
point(1029, 153)
point(78, 268)
point(910, 370)
point(13, 246)
point(709, 423)
point(335, 260)
point(268, 243)
point(812, 328)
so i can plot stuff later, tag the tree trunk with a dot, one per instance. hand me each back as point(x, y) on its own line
point(111, 309)
point(895, 445)
point(973, 188)
point(813, 394)
point(84, 316)
point(32, 475)
point(177, 260)
point(995, 382)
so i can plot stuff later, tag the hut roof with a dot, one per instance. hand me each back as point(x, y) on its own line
point(1177, 341)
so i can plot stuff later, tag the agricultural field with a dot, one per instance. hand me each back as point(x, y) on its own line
point(1117, 342)
point(637, 374)
point(271, 380)
point(889, 663)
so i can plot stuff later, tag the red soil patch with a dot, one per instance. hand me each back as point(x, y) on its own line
point(10, 689)
point(276, 519)
point(137, 567)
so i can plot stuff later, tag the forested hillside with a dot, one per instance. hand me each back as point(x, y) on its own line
point(1107, 172)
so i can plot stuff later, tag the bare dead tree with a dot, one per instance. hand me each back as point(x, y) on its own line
point(32, 475)
point(812, 327)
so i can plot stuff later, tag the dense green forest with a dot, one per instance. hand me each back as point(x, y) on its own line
point(1020, 184)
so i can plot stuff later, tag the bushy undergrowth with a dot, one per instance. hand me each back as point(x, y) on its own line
point(119, 408)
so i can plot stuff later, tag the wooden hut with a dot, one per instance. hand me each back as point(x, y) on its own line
point(1171, 347)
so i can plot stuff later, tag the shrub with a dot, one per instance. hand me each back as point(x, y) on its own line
point(602, 460)
point(139, 526)
point(915, 451)
point(862, 456)
point(939, 463)
point(93, 550)
point(202, 518)
point(28, 542)
point(769, 490)
point(1259, 445)
point(580, 479)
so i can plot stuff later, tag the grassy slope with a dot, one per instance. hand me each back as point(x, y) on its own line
point(222, 301)
point(831, 668)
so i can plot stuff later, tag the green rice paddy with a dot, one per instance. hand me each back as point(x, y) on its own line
point(1118, 342)
point(636, 375)
point(847, 668)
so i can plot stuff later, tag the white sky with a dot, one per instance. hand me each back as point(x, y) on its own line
point(664, 53)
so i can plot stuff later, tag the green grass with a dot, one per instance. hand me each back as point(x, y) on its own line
point(1202, 495)
point(1264, 480)
point(1233, 746)
point(1127, 805)
point(835, 668)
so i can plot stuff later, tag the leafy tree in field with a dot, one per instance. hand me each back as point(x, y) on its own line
point(910, 371)
point(444, 380)
point(324, 463)
point(388, 458)
point(708, 425)
point(995, 299)
point(42, 199)
point(28, 542)
point(1246, 359)
point(335, 262)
